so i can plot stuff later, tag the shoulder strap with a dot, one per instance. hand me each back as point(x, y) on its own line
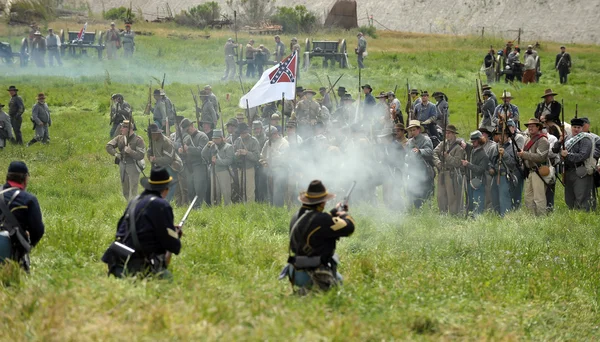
point(132, 218)
point(293, 230)
point(12, 225)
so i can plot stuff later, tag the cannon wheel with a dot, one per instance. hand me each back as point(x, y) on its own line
point(24, 51)
point(343, 54)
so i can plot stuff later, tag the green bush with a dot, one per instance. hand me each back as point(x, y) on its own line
point(295, 19)
point(370, 31)
point(28, 11)
point(120, 13)
point(199, 16)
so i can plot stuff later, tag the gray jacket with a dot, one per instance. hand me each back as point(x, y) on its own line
point(195, 144)
point(224, 155)
point(252, 146)
point(40, 113)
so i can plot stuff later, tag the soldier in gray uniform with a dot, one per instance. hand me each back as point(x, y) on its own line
point(426, 113)
point(196, 167)
point(5, 128)
point(361, 49)
point(579, 182)
point(127, 40)
point(130, 158)
point(159, 112)
point(212, 98)
point(443, 112)
point(279, 49)
point(40, 115)
point(475, 165)
point(447, 159)
point(247, 152)
point(38, 49)
point(119, 112)
point(260, 174)
point(420, 157)
point(16, 108)
point(487, 111)
point(485, 87)
point(220, 156)
point(162, 154)
point(53, 47)
point(491, 188)
point(208, 110)
point(230, 53)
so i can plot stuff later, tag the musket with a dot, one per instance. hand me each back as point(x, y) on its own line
point(444, 149)
point(347, 197)
point(196, 105)
point(162, 85)
point(563, 131)
point(282, 116)
point(150, 142)
point(149, 103)
point(409, 103)
point(113, 113)
point(179, 228)
point(479, 101)
point(331, 86)
point(221, 117)
point(576, 110)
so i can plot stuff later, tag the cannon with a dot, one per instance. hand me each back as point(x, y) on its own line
point(330, 51)
point(9, 57)
point(76, 47)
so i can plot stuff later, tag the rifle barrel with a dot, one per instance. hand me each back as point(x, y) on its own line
point(187, 213)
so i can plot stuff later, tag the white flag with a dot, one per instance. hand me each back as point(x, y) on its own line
point(280, 79)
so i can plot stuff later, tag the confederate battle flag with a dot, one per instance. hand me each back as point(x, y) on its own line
point(275, 81)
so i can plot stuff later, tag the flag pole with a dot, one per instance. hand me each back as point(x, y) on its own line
point(282, 115)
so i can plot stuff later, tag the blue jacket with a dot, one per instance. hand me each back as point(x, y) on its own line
point(27, 211)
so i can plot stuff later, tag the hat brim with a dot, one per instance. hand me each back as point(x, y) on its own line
point(305, 200)
point(310, 92)
point(145, 182)
point(551, 94)
point(534, 123)
point(12, 89)
point(411, 126)
point(451, 131)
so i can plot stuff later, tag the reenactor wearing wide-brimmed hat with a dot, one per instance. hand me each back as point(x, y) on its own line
point(162, 153)
point(475, 164)
point(128, 39)
point(419, 155)
point(38, 49)
point(507, 174)
point(279, 49)
point(119, 112)
point(196, 168)
point(145, 251)
point(535, 157)
point(128, 149)
point(159, 111)
point(16, 108)
point(580, 165)
point(447, 159)
point(548, 112)
point(416, 99)
point(230, 53)
point(220, 154)
point(505, 111)
point(17, 242)
point(209, 114)
point(250, 60)
point(313, 237)
point(40, 115)
point(247, 153)
point(563, 64)
point(6, 132)
point(112, 42)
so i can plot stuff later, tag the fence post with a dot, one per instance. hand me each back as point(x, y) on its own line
point(519, 37)
point(482, 32)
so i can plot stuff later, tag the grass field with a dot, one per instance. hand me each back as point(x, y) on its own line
point(408, 276)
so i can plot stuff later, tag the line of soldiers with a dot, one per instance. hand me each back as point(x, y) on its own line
point(40, 45)
point(10, 124)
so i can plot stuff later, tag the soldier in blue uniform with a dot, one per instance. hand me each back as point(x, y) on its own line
point(21, 225)
point(313, 238)
point(151, 235)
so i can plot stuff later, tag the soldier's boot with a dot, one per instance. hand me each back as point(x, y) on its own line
point(31, 142)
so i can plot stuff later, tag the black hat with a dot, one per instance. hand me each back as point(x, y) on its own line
point(424, 93)
point(299, 89)
point(12, 88)
point(158, 181)
point(156, 92)
point(414, 91)
point(179, 118)
point(185, 123)
point(242, 127)
point(232, 122)
point(18, 167)
point(367, 86)
point(485, 130)
point(585, 120)
point(153, 128)
point(576, 122)
point(322, 89)
point(339, 89)
point(315, 194)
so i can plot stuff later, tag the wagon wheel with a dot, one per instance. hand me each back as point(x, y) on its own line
point(24, 51)
point(342, 54)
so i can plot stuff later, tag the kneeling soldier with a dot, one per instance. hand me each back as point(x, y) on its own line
point(142, 243)
point(313, 236)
